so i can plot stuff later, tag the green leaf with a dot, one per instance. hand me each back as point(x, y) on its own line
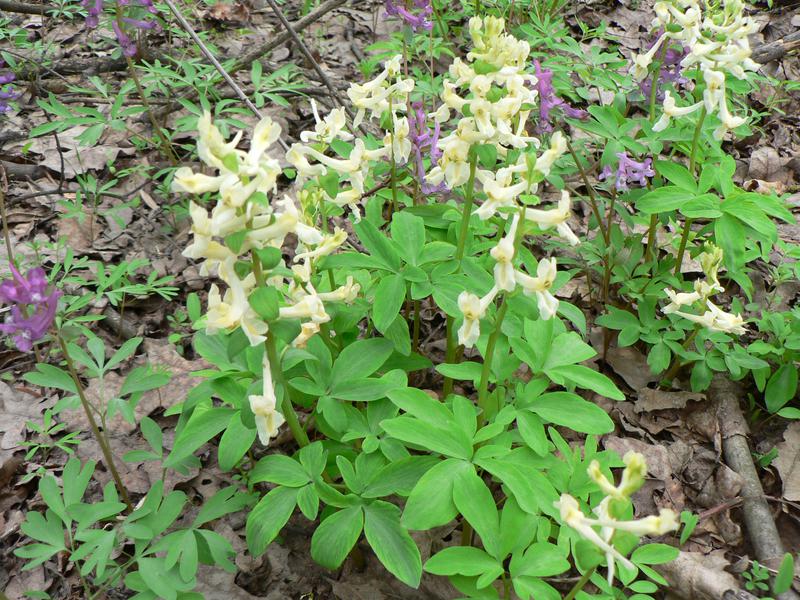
point(676, 173)
point(516, 480)
point(462, 560)
point(409, 231)
point(234, 443)
point(361, 359)
point(203, 425)
point(336, 536)
point(391, 542)
point(654, 554)
point(664, 199)
point(781, 388)
point(705, 206)
point(466, 371)
point(567, 349)
point(785, 576)
point(589, 379)
point(474, 500)
point(487, 155)
point(540, 560)
point(280, 469)
point(268, 517)
point(378, 245)
point(365, 390)
point(570, 410)
point(389, 297)
point(51, 376)
point(430, 503)
point(266, 302)
point(444, 439)
point(729, 234)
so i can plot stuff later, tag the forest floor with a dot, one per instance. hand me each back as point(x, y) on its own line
point(45, 179)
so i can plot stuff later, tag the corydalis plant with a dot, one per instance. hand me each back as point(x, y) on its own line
point(7, 91)
point(628, 171)
point(715, 37)
point(414, 13)
point(31, 304)
point(127, 16)
point(548, 100)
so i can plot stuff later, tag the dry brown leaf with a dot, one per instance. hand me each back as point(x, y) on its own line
point(157, 355)
point(631, 365)
point(657, 457)
point(788, 462)
point(767, 165)
point(700, 576)
point(653, 399)
point(77, 159)
point(16, 409)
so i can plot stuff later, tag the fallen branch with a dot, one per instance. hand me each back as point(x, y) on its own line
point(760, 525)
point(26, 9)
point(775, 50)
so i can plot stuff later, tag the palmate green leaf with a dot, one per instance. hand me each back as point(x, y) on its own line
point(389, 297)
point(399, 476)
point(336, 536)
point(540, 560)
point(391, 542)
point(677, 174)
point(378, 245)
point(567, 349)
point(664, 199)
point(475, 502)
point(588, 379)
point(430, 503)
point(268, 517)
point(570, 410)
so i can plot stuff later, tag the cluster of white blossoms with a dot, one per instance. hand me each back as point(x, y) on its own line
point(493, 94)
point(244, 221)
point(632, 479)
point(388, 94)
point(715, 34)
point(713, 317)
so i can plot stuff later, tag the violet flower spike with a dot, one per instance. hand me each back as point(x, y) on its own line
point(7, 91)
point(416, 20)
point(671, 71)
point(548, 99)
point(629, 171)
point(94, 8)
point(422, 139)
point(40, 307)
point(128, 46)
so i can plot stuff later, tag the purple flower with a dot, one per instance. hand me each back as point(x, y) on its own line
point(423, 140)
point(7, 91)
point(94, 8)
point(548, 99)
point(420, 19)
point(671, 71)
point(628, 171)
point(125, 42)
point(32, 307)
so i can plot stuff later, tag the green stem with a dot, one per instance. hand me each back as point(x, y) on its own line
point(580, 584)
point(486, 370)
point(696, 138)
point(654, 82)
point(676, 364)
point(287, 408)
point(590, 190)
point(651, 238)
point(100, 437)
point(417, 306)
point(469, 195)
point(687, 227)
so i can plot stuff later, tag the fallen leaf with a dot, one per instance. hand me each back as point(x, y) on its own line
point(788, 462)
point(631, 365)
point(654, 399)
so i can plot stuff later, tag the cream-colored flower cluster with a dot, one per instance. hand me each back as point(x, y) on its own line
point(492, 93)
point(388, 94)
point(716, 36)
point(243, 221)
point(713, 317)
point(632, 479)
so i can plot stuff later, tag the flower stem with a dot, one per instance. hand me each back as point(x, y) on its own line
point(676, 364)
point(486, 370)
point(287, 408)
point(469, 195)
point(651, 238)
point(654, 84)
point(590, 190)
point(102, 441)
point(696, 138)
point(580, 584)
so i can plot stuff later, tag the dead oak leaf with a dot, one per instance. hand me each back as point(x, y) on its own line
point(653, 399)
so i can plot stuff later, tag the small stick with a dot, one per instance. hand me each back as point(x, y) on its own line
point(758, 520)
point(26, 9)
point(187, 27)
point(307, 53)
